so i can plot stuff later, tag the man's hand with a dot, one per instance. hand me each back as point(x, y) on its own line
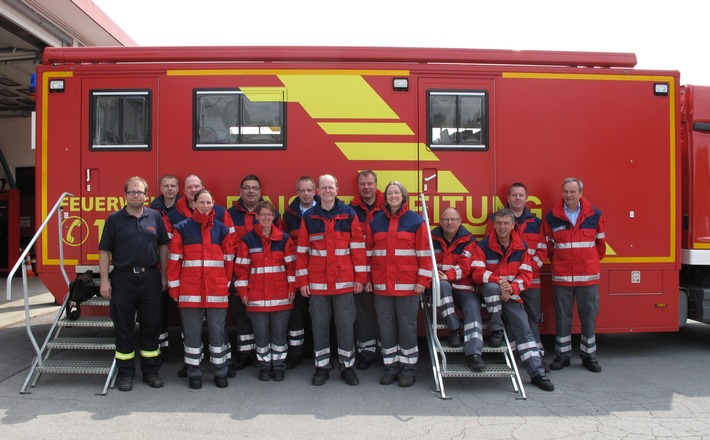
point(306, 292)
point(105, 289)
point(358, 287)
point(442, 276)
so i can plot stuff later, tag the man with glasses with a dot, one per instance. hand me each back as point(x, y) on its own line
point(368, 201)
point(136, 241)
point(453, 249)
point(244, 219)
point(331, 266)
point(576, 244)
point(306, 198)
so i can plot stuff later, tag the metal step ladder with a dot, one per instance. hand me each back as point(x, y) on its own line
point(447, 361)
point(73, 338)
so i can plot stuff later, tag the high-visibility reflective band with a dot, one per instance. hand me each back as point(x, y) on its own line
point(125, 356)
point(203, 263)
point(302, 272)
point(536, 280)
point(344, 285)
point(174, 257)
point(538, 261)
point(424, 273)
point(462, 287)
point(458, 272)
point(212, 299)
point(317, 237)
point(380, 287)
point(214, 263)
point(487, 276)
point(170, 235)
point(525, 267)
point(173, 284)
point(246, 337)
point(601, 235)
point(426, 253)
point(228, 257)
point(242, 261)
point(575, 245)
point(541, 245)
point(191, 361)
point(270, 303)
point(357, 245)
point(477, 263)
point(267, 269)
point(291, 279)
point(302, 249)
point(193, 350)
point(319, 252)
point(493, 261)
point(405, 252)
point(515, 297)
point(256, 250)
point(218, 360)
point(360, 269)
point(576, 279)
point(368, 253)
point(379, 252)
point(150, 353)
point(216, 299)
point(318, 286)
point(531, 251)
point(466, 254)
point(232, 230)
point(404, 286)
point(289, 258)
point(241, 283)
point(444, 267)
point(342, 252)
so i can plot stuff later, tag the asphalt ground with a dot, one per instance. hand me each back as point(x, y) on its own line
point(653, 386)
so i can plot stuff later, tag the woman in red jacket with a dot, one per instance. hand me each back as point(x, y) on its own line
point(265, 270)
point(401, 269)
point(200, 269)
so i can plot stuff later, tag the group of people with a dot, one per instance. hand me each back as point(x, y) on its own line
point(359, 268)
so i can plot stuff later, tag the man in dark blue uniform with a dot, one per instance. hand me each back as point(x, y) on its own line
point(136, 240)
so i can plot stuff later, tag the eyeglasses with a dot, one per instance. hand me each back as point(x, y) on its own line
point(449, 220)
point(251, 188)
point(135, 193)
point(266, 214)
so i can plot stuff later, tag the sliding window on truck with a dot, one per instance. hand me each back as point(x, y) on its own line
point(457, 120)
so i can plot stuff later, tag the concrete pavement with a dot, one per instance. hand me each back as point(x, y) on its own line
point(652, 386)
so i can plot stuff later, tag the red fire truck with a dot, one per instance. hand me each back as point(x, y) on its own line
point(458, 125)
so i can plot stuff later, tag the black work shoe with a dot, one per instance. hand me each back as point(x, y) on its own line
point(221, 381)
point(496, 339)
point(454, 338)
point(242, 361)
point(264, 375)
point(349, 376)
point(320, 376)
point(124, 384)
point(292, 361)
point(406, 381)
point(475, 362)
point(182, 372)
point(365, 362)
point(387, 379)
point(559, 363)
point(231, 371)
point(278, 375)
point(195, 383)
point(543, 382)
point(591, 364)
point(153, 380)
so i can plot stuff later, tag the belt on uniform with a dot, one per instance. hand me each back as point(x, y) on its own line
point(136, 269)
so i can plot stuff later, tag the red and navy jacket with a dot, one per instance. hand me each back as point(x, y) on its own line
point(531, 231)
point(245, 220)
point(330, 256)
point(292, 218)
point(158, 204)
point(265, 269)
point(200, 263)
point(182, 212)
point(575, 251)
point(454, 259)
point(491, 265)
point(401, 257)
point(366, 212)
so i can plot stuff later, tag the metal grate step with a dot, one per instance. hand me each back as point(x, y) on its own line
point(65, 366)
point(87, 321)
point(490, 370)
point(97, 301)
point(82, 344)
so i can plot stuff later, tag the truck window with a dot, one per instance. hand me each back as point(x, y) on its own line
point(457, 120)
point(120, 120)
point(229, 119)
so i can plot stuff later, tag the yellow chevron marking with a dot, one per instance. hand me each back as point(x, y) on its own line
point(448, 183)
point(609, 249)
point(399, 151)
point(387, 128)
point(335, 97)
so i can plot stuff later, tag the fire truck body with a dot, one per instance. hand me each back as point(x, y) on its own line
point(458, 125)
